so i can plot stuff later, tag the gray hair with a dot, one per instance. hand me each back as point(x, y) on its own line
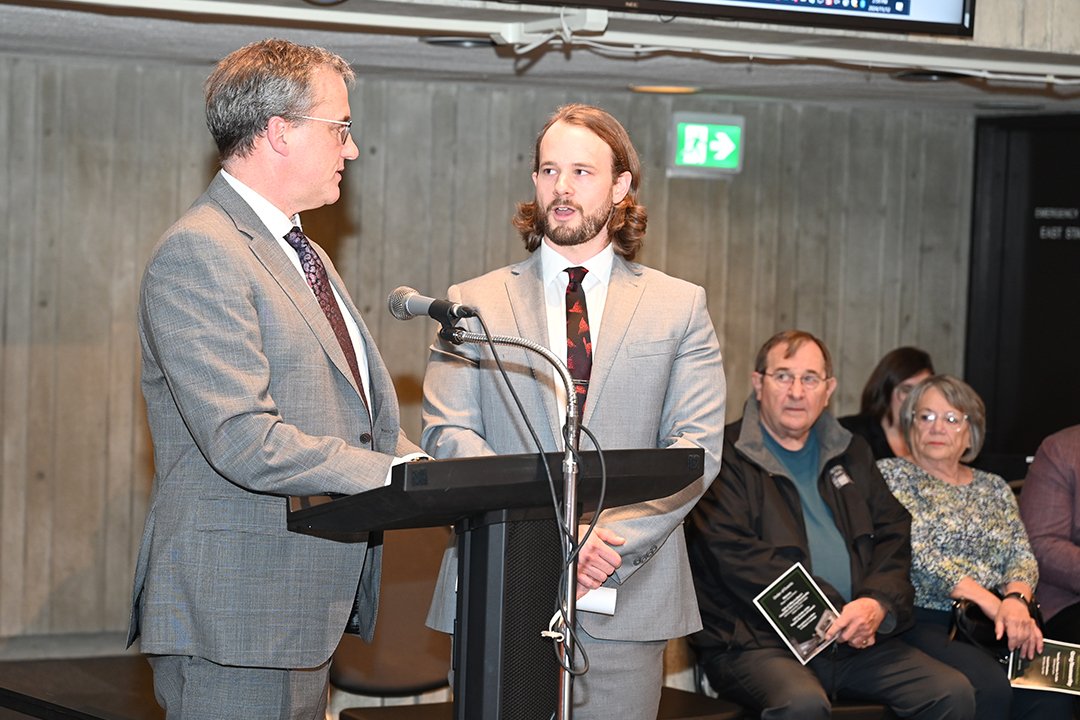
point(259, 81)
point(793, 340)
point(958, 394)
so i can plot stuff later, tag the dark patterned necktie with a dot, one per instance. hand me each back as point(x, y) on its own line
point(315, 272)
point(578, 341)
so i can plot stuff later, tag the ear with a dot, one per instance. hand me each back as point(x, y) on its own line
point(277, 134)
point(830, 387)
point(534, 176)
point(621, 187)
point(755, 380)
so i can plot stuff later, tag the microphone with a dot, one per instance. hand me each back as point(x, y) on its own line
point(405, 303)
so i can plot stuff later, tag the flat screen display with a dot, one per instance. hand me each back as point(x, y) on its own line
point(939, 17)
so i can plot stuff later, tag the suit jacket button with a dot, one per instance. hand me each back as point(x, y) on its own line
point(366, 438)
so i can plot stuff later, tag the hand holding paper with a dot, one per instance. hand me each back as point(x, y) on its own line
point(857, 623)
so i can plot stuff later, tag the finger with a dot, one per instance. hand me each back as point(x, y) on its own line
point(585, 578)
point(609, 536)
point(837, 627)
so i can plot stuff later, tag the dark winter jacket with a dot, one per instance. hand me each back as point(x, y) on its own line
point(748, 529)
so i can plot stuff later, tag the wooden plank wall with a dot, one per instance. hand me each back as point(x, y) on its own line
point(851, 222)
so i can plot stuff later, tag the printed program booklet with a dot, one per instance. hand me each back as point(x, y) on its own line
point(797, 609)
point(1056, 668)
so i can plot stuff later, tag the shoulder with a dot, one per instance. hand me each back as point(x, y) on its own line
point(657, 279)
point(991, 481)
point(858, 424)
point(206, 228)
point(494, 278)
point(899, 472)
point(1062, 443)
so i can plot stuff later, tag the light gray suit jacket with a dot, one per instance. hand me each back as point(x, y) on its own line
point(657, 381)
point(250, 400)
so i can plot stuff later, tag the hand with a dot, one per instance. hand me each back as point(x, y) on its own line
point(858, 623)
point(1014, 621)
point(597, 559)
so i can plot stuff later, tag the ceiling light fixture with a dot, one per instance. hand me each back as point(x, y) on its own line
point(665, 89)
point(465, 42)
point(928, 76)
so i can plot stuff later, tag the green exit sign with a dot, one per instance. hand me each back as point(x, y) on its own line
point(705, 145)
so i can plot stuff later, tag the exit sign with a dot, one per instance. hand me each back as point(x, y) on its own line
point(704, 145)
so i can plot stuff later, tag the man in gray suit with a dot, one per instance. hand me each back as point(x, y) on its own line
point(261, 382)
point(656, 381)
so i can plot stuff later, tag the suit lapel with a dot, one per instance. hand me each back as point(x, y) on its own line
point(267, 250)
point(624, 294)
point(525, 290)
point(273, 258)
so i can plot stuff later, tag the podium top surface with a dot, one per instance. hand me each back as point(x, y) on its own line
point(444, 492)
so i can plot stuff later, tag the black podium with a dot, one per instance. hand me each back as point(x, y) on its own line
point(510, 555)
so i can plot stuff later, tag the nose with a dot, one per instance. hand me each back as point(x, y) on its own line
point(563, 186)
point(350, 150)
point(797, 390)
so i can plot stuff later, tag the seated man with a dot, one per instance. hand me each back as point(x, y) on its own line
point(794, 486)
point(1050, 507)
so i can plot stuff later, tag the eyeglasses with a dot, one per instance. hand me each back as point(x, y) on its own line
point(783, 378)
point(343, 131)
point(926, 418)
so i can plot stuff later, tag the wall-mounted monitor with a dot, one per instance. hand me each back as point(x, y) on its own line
point(939, 17)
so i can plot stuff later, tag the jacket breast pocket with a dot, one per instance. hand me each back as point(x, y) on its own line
point(651, 348)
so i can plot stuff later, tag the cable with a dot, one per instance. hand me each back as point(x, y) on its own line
point(528, 425)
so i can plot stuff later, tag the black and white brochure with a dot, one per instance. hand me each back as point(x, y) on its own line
point(1056, 668)
point(799, 611)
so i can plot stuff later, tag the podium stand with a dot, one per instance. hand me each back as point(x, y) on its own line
point(510, 555)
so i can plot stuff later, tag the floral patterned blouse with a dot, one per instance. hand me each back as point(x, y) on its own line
point(957, 530)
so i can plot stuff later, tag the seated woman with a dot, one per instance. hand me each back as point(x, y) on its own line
point(1050, 507)
point(889, 384)
point(967, 542)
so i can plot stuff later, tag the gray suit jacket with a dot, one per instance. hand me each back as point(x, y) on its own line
point(657, 381)
point(250, 400)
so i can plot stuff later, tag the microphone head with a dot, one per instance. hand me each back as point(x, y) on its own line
point(397, 302)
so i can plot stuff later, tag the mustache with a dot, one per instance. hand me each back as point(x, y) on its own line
point(562, 203)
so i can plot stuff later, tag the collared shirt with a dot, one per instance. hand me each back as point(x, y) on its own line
point(595, 284)
point(279, 226)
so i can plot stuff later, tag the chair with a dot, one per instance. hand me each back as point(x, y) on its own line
point(405, 658)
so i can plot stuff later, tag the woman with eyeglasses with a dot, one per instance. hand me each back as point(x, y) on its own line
point(967, 542)
point(878, 421)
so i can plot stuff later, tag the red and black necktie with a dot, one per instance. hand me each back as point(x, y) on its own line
point(578, 341)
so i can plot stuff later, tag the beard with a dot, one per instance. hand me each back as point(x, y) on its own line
point(568, 236)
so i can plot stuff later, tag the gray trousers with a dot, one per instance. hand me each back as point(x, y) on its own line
point(623, 681)
point(889, 672)
point(191, 688)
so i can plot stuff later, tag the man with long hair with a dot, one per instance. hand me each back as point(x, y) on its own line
point(648, 374)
